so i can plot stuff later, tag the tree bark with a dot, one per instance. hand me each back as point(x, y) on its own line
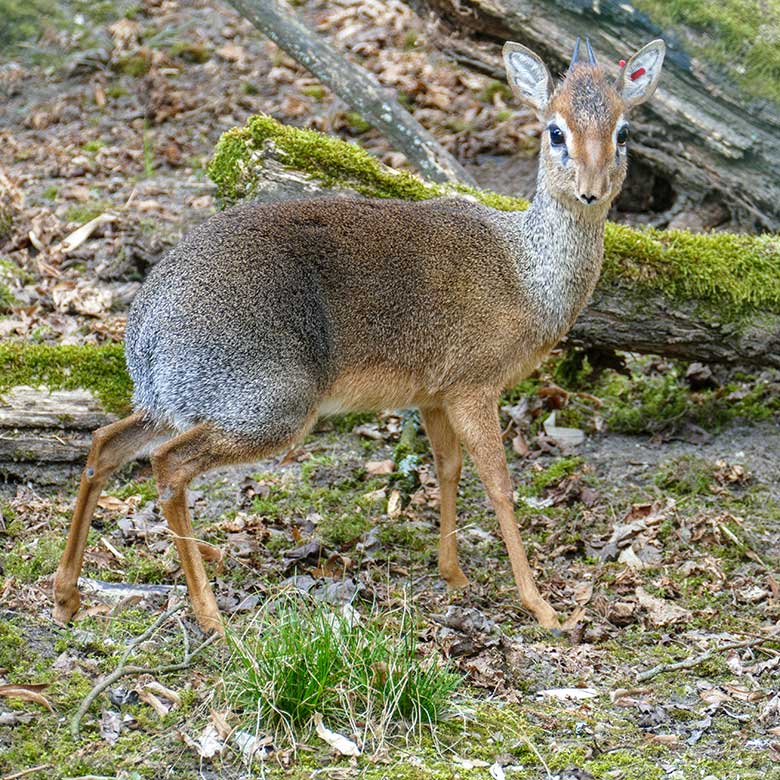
point(700, 132)
point(44, 436)
point(356, 87)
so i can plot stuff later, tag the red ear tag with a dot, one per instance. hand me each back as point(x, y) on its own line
point(622, 63)
point(637, 73)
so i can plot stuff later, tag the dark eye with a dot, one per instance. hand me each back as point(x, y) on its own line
point(556, 135)
point(622, 135)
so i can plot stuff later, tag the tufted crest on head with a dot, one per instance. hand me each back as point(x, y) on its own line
point(587, 99)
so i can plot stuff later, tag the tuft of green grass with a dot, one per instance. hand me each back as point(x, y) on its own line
point(686, 475)
point(301, 657)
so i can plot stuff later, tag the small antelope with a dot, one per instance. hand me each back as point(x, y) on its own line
point(268, 316)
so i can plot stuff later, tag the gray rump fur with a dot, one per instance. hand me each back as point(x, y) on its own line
point(250, 320)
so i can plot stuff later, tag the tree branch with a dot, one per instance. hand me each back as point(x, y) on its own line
point(356, 87)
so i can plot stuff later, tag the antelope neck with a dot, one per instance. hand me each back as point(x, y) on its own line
point(559, 251)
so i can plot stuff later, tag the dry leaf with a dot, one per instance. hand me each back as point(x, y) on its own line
point(27, 693)
point(661, 612)
point(583, 593)
point(631, 559)
point(338, 742)
point(380, 467)
point(734, 662)
point(163, 691)
point(208, 744)
point(80, 235)
point(670, 740)
point(110, 726)
point(219, 719)
point(394, 504)
point(566, 437)
point(231, 52)
point(147, 697)
point(497, 771)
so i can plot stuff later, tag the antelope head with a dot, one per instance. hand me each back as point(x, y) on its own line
point(585, 137)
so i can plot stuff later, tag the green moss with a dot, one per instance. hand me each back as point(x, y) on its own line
point(146, 488)
point(652, 401)
point(100, 370)
point(733, 274)
point(343, 530)
point(738, 273)
point(84, 212)
point(137, 64)
point(191, 51)
point(686, 476)
point(733, 35)
point(31, 559)
point(553, 474)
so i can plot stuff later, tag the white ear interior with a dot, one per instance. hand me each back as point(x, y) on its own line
point(527, 75)
point(640, 76)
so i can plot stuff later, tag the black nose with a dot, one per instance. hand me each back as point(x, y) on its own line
point(589, 198)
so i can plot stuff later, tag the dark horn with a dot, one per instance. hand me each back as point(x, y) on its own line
point(576, 54)
point(591, 55)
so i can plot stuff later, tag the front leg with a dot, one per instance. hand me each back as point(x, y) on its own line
point(475, 420)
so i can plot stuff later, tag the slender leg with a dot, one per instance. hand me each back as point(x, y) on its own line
point(448, 459)
point(112, 447)
point(176, 463)
point(475, 420)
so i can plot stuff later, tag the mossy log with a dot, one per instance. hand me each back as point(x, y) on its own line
point(711, 131)
point(707, 297)
point(51, 399)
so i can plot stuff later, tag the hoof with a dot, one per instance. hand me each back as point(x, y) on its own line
point(211, 624)
point(65, 607)
point(547, 618)
point(456, 581)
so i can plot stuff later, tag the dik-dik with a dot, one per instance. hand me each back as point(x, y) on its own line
point(268, 316)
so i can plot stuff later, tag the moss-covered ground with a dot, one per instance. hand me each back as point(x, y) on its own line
point(735, 35)
point(708, 545)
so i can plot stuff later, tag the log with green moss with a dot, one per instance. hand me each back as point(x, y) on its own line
point(51, 399)
point(710, 297)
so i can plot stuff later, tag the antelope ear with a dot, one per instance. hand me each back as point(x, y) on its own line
point(528, 76)
point(639, 77)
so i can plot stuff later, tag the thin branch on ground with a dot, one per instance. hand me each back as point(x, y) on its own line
point(124, 669)
point(690, 663)
point(26, 772)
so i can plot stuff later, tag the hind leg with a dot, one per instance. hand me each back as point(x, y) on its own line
point(112, 447)
point(176, 463)
point(448, 459)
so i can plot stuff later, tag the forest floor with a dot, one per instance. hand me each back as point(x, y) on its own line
point(663, 527)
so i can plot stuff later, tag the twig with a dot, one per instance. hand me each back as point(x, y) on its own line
point(690, 663)
point(122, 669)
point(26, 772)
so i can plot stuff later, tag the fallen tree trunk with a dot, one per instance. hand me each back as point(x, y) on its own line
point(703, 132)
point(711, 298)
point(356, 86)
